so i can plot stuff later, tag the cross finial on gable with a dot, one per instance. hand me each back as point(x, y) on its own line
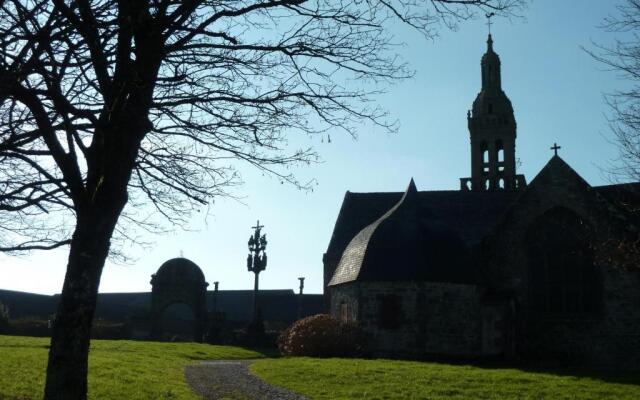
point(555, 148)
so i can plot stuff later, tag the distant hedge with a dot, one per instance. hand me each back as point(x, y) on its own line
point(30, 326)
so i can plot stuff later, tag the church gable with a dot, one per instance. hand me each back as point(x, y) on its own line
point(556, 177)
point(558, 223)
point(558, 185)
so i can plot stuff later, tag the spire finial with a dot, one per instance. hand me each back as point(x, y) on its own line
point(489, 23)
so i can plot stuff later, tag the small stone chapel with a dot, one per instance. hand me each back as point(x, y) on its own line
point(499, 268)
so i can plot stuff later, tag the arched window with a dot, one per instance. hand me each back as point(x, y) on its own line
point(485, 152)
point(500, 150)
point(344, 311)
point(563, 277)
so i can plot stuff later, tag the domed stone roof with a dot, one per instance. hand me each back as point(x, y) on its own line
point(177, 271)
point(493, 102)
point(402, 246)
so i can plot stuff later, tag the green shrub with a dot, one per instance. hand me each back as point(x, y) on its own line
point(4, 319)
point(321, 336)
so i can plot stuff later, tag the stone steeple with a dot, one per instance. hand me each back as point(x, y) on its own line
point(492, 130)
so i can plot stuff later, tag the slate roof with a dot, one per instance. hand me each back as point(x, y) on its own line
point(406, 243)
point(469, 214)
point(625, 195)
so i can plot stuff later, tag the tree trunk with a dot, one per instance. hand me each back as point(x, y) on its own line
point(69, 352)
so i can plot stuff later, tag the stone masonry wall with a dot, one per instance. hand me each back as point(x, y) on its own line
point(344, 294)
point(434, 318)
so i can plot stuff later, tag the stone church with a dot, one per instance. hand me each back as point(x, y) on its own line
point(499, 268)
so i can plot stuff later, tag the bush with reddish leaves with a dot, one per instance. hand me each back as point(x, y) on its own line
point(321, 336)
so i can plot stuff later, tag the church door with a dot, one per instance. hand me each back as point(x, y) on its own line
point(497, 328)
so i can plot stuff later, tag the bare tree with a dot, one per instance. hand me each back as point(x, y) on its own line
point(623, 58)
point(107, 107)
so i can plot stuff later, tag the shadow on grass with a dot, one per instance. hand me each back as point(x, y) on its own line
point(628, 377)
point(609, 376)
point(267, 352)
point(13, 398)
point(24, 346)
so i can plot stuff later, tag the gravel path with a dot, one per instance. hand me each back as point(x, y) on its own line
point(217, 380)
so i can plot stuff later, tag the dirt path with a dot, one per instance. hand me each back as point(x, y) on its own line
point(231, 380)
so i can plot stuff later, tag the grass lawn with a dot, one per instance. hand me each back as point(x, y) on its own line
point(336, 379)
point(117, 369)
point(151, 370)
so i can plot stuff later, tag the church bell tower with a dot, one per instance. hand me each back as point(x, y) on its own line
point(492, 130)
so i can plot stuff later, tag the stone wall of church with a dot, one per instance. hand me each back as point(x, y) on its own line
point(344, 302)
point(415, 319)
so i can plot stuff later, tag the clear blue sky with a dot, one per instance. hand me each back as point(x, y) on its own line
point(556, 90)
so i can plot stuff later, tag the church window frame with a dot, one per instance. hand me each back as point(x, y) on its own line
point(344, 311)
point(564, 279)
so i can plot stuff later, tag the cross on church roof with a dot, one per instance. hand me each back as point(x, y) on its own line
point(489, 23)
point(555, 148)
point(258, 226)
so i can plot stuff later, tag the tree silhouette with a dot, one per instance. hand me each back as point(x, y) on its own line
point(107, 107)
point(623, 58)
